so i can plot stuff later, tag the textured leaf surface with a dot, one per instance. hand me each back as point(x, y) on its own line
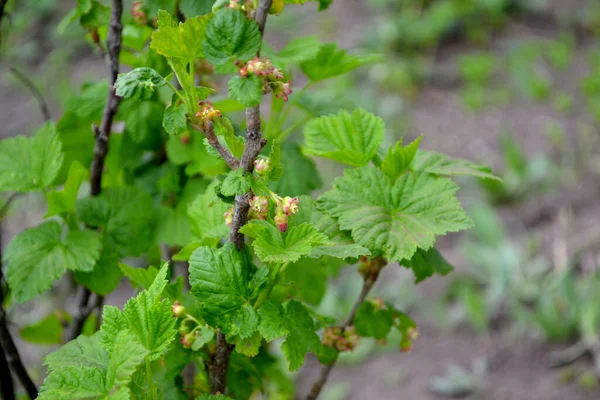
point(174, 119)
point(219, 278)
point(235, 183)
point(373, 322)
point(394, 219)
point(248, 90)
point(350, 138)
point(270, 245)
point(206, 215)
point(230, 35)
point(399, 158)
point(63, 201)
point(183, 41)
point(426, 263)
point(28, 164)
point(38, 256)
point(436, 163)
point(139, 84)
point(331, 61)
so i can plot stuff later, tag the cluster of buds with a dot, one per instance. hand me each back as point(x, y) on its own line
point(246, 6)
point(137, 11)
point(259, 207)
point(342, 339)
point(410, 335)
point(228, 216)
point(261, 166)
point(207, 113)
point(285, 208)
point(273, 79)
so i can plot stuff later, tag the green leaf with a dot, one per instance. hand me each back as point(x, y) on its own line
point(245, 321)
point(399, 158)
point(436, 163)
point(28, 164)
point(139, 83)
point(206, 215)
point(275, 168)
point(152, 319)
point(125, 214)
point(271, 246)
point(331, 61)
point(63, 201)
point(248, 90)
point(235, 183)
point(248, 346)
point(300, 175)
point(273, 324)
point(174, 119)
point(143, 124)
point(394, 218)
point(183, 41)
point(106, 276)
point(219, 278)
point(298, 50)
point(372, 322)
point(301, 337)
point(126, 354)
point(350, 138)
point(194, 8)
point(139, 277)
point(38, 256)
point(46, 331)
point(231, 36)
point(425, 263)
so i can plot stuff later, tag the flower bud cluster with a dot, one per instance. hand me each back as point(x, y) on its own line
point(259, 207)
point(261, 166)
point(246, 6)
point(273, 79)
point(410, 335)
point(139, 16)
point(228, 216)
point(342, 339)
point(189, 326)
point(286, 206)
point(207, 114)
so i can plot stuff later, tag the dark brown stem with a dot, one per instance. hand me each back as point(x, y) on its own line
point(102, 134)
point(254, 144)
point(34, 90)
point(7, 386)
point(209, 133)
point(326, 369)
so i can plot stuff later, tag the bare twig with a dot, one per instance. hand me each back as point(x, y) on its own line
point(254, 144)
point(370, 277)
point(102, 133)
point(7, 388)
point(34, 90)
point(209, 133)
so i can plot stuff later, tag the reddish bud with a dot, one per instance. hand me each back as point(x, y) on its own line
point(228, 215)
point(178, 309)
point(282, 222)
point(261, 166)
point(139, 16)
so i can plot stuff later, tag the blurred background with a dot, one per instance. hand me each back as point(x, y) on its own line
point(510, 83)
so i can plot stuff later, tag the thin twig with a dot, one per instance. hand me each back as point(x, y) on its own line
point(34, 90)
point(254, 144)
point(7, 388)
point(209, 133)
point(102, 133)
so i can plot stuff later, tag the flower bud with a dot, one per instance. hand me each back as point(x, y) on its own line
point(178, 309)
point(377, 303)
point(188, 340)
point(139, 16)
point(228, 216)
point(289, 205)
point(282, 222)
point(412, 333)
point(261, 166)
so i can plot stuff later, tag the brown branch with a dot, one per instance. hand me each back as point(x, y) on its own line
point(102, 134)
point(209, 133)
point(7, 388)
point(34, 90)
point(254, 144)
point(370, 277)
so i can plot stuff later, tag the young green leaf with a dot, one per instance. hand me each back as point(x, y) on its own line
point(436, 163)
point(246, 90)
point(139, 277)
point(350, 138)
point(46, 331)
point(235, 183)
point(372, 322)
point(231, 36)
point(298, 50)
point(174, 119)
point(139, 83)
point(183, 41)
point(219, 278)
point(399, 158)
point(425, 263)
point(245, 321)
point(270, 245)
point(38, 256)
point(28, 164)
point(247, 346)
point(331, 61)
point(106, 276)
point(206, 215)
point(394, 218)
point(296, 323)
point(63, 201)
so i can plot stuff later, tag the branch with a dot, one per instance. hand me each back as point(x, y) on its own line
point(102, 133)
point(34, 90)
point(370, 277)
point(209, 133)
point(7, 389)
point(254, 144)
